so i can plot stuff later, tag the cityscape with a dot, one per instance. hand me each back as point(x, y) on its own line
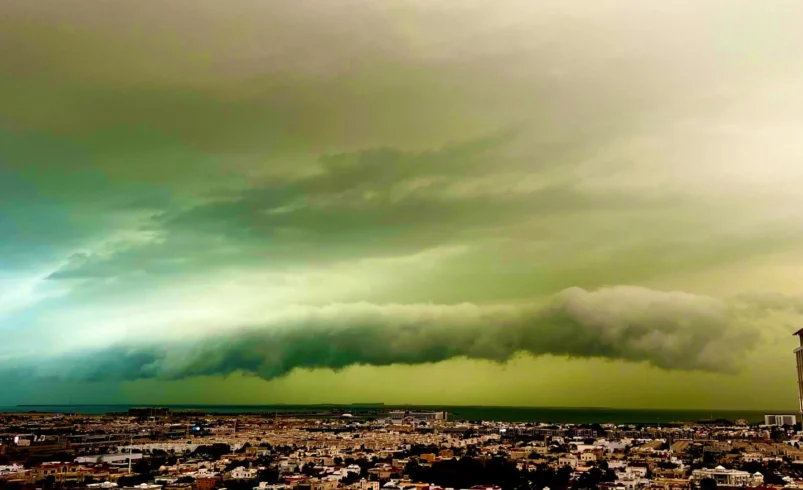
point(162, 449)
point(371, 447)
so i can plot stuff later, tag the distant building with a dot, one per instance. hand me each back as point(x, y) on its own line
point(268, 486)
point(779, 420)
point(143, 486)
point(799, 359)
point(406, 417)
point(149, 412)
point(568, 460)
point(241, 473)
point(364, 484)
point(731, 478)
point(103, 485)
point(110, 459)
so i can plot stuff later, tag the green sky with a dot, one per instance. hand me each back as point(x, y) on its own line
point(508, 202)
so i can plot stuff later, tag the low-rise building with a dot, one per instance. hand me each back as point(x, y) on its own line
point(727, 477)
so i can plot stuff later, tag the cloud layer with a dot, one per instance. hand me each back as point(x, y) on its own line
point(669, 330)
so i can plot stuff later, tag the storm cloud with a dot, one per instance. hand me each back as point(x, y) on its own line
point(669, 330)
point(325, 193)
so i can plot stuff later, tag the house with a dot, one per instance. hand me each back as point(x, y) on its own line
point(568, 460)
point(143, 486)
point(241, 473)
point(267, 486)
point(6, 470)
point(366, 485)
point(726, 477)
point(588, 457)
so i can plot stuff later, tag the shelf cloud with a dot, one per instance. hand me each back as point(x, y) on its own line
point(669, 330)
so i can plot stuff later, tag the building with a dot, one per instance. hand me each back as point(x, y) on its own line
point(731, 478)
point(206, 482)
point(149, 412)
point(799, 359)
point(144, 486)
point(110, 459)
point(364, 484)
point(588, 456)
point(317, 484)
point(406, 417)
point(267, 486)
point(568, 460)
point(779, 420)
point(241, 473)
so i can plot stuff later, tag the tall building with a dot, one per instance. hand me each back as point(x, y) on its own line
point(799, 358)
point(779, 420)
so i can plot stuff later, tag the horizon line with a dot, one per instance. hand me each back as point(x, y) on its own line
point(383, 404)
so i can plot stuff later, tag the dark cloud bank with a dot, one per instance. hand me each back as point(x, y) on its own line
point(670, 330)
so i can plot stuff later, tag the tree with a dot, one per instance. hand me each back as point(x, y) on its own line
point(350, 478)
point(141, 466)
point(269, 475)
point(215, 451)
point(708, 484)
point(47, 482)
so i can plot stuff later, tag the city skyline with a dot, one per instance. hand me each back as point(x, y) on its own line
point(503, 203)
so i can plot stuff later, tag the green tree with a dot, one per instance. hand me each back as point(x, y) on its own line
point(708, 484)
point(141, 466)
point(268, 475)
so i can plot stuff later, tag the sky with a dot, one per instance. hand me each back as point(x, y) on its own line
point(487, 202)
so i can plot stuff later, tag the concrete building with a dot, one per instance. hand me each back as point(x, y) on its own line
point(731, 478)
point(406, 417)
point(143, 486)
point(799, 359)
point(568, 460)
point(241, 473)
point(110, 459)
point(779, 420)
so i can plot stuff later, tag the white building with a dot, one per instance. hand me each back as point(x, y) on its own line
point(241, 473)
point(144, 486)
point(10, 469)
point(568, 460)
point(733, 478)
point(112, 459)
point(799, 359)
point(631, 481)
point(406, 417)
point(752, 457)
point(779, 420)
point(263, 485)
point(639, 471)
point(367, 485)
